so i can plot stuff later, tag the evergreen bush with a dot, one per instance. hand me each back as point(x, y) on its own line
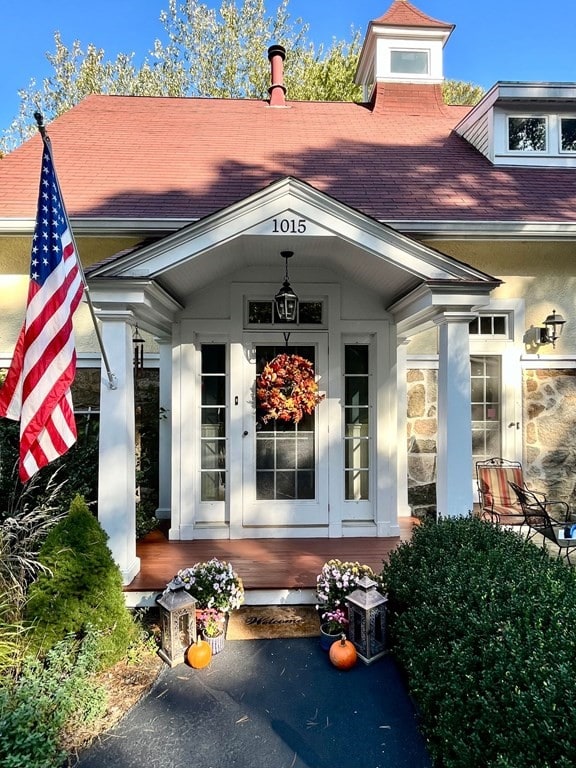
point(47, 695)
point(81, 588)
point(484, 624)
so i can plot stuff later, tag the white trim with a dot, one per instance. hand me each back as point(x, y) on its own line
point(432, 228)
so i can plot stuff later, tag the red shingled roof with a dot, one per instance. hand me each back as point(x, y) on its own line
point(402, 14)
point(144, 157)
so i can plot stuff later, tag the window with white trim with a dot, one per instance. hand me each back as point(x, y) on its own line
point(263, 312)
point(406, 62)
point(527, 134)
point(490, 326)
point(568, 134)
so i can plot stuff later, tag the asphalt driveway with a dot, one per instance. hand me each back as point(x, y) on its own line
point(268, 704)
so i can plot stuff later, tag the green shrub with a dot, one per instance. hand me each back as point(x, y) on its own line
point(484, 623)
point(45, 697)
point(82, 587)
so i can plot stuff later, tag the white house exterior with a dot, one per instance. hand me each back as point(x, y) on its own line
point(427, 249)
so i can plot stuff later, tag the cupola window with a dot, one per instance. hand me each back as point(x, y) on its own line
point(409, 62)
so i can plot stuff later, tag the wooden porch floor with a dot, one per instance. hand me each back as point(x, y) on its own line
point(263, 564)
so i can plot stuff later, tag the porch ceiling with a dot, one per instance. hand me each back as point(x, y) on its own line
point(261, 254)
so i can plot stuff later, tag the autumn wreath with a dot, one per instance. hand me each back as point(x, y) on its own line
point(287, 389)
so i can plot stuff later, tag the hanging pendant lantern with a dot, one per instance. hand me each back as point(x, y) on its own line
point(286, 301)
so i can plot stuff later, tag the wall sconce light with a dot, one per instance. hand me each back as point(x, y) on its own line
point(552, 330)
point(286, 301)
point(138, 343)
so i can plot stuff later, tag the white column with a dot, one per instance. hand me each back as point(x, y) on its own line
point(402, 420)
point(454, 467)
point(117, 462)
point(165, 430)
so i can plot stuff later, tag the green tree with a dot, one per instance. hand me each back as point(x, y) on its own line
point(460, 92)
point(80, 588)
point(204, 52)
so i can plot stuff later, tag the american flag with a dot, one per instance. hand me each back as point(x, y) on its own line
point(37, 387)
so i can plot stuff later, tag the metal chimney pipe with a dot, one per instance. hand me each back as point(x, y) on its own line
point(277, 90)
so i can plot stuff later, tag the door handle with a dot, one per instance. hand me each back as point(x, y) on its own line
point(244, 433)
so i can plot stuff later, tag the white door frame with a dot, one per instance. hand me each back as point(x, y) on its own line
point(295, 517)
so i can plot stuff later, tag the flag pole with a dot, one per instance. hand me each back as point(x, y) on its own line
point(112, 380)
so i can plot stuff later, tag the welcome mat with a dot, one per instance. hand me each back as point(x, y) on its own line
point(273, 621)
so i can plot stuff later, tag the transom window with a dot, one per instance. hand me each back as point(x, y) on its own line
point(490, 325)
point(409, 62)
point(262, 312)
point(527, 134)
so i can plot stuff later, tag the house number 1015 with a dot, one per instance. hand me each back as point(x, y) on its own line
point(289, 226)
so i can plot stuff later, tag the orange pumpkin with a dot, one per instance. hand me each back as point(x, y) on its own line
point(342, 653)
point(199, 654)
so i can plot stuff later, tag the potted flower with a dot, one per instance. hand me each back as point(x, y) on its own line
point(211, 625)
point(214, 584)
point(336, 581)
point(333, 626)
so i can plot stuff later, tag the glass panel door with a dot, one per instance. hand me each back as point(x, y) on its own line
point(285, 451)
point(285, 465)
point(486, 390)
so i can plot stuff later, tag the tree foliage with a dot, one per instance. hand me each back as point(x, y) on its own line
point(460, 92)
point(80, 588)
point(207, 52)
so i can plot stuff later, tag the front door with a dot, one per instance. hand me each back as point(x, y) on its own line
point(285, 464)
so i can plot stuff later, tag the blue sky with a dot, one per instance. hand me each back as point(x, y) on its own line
point(493, 40)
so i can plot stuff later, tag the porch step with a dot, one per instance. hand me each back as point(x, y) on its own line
point(147, 599)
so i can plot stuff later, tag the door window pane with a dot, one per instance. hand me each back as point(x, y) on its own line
point(357, 438)
point(285, 452)
point(213, 423)
point(486, 390)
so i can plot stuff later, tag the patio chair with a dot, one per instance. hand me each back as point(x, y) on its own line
point(548, 518)
point(498, 502)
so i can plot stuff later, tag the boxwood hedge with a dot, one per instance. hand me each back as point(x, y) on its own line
point(484, 625)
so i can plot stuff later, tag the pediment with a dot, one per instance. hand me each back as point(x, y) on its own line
point(288, 215)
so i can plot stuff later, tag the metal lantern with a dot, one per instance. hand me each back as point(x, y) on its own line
point(367, 620)
point(177, 623)
point(286, 300)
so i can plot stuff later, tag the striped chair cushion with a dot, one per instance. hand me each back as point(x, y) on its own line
point(498, 496)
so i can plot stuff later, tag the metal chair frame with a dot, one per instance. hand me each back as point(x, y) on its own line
point(498, 504)
point(537, 513)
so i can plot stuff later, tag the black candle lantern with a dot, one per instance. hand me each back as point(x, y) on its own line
point(177, 623)
point(286, 300)
point(367, 620)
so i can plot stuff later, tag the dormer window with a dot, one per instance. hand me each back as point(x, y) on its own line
point(568, 134)
point(409, 62)
point(527, 134)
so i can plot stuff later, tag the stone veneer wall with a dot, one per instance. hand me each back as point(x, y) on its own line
point(422, 429)
point(549, 403)
point(549, 454)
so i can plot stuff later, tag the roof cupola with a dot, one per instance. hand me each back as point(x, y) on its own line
point(402, 46)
